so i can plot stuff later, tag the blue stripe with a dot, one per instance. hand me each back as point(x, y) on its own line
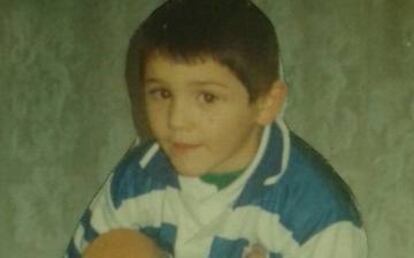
point(130, 180)
point(72, 251)
point(151, 232)
point(274, 255)
point(89, 232)
point(165, 236)
point(228, 248)
point(162, 172)
point(269, 166)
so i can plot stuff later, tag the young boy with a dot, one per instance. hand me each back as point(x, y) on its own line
point(217, 177)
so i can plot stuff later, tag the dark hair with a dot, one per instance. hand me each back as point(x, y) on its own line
point(233, 32)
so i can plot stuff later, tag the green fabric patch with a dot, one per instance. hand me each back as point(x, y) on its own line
point(221, 180)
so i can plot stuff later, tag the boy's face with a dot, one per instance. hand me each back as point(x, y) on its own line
point(201, 115)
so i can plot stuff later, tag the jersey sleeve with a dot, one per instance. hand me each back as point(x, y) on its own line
point(340, 240)
point(319, 210)
point(120, 203)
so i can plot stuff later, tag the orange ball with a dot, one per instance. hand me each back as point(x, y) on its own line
point(122, 243)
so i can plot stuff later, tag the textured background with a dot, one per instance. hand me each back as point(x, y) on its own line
point(64, 114)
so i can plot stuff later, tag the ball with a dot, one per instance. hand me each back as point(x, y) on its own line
point(122, 243)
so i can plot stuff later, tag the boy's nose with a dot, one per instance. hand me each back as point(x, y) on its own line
point(180, 115)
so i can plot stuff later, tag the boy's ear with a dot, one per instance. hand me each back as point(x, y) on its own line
point(270, 104)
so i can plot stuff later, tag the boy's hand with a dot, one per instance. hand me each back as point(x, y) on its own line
point(255, 251)
point(123, 243)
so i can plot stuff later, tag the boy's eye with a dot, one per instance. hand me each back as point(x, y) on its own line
point(208, 98)
point(160, 93)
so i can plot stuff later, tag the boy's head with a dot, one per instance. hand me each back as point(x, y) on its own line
point(203, 78)
point(234, 33)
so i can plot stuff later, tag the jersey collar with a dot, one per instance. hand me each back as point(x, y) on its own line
point(268, 165)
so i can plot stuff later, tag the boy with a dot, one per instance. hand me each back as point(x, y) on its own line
point(216, 177)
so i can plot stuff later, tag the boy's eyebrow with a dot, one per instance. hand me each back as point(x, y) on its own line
point(208, 82)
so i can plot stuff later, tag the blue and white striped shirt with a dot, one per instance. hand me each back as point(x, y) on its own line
point(289, 200)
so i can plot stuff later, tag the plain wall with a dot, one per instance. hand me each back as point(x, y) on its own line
point(65, 121)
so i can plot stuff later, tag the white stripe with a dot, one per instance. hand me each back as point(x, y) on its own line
point(341, 240)
point(285, 154)
point(286, 144)
point(262, 148)
point(79, 241)
point(259, 227)
point(141, 211)
point(148, 156)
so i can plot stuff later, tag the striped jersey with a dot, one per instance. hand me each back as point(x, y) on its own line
point(289, 200)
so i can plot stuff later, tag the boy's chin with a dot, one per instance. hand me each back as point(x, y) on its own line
point(189, 172)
